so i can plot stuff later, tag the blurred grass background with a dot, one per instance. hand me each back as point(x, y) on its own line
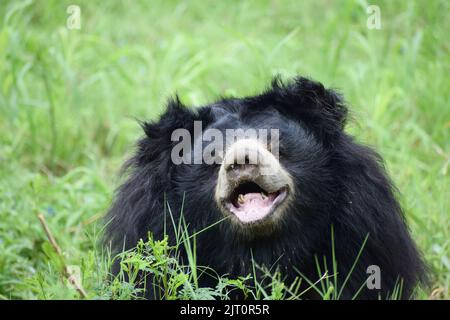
point(69, 100)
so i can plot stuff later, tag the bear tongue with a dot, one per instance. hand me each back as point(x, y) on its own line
point(253, 207)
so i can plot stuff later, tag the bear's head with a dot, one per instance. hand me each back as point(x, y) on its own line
point(277, 178)
point(259, 161)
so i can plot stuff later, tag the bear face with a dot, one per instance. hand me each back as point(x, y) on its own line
point(289, 184)
point(298, 175)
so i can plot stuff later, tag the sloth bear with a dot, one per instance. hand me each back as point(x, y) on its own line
point(320, 201)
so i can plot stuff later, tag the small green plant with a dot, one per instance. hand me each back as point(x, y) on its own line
point(171, 279)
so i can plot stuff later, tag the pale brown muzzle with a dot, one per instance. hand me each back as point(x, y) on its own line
point(252, 186)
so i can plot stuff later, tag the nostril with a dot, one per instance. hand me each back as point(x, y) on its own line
point(238, 167)
point(234, 167)
point(230, 167)
point(242, 158)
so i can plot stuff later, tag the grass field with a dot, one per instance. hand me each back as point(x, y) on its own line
point(69, 100)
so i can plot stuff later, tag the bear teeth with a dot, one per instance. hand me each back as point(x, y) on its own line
point(241, 199)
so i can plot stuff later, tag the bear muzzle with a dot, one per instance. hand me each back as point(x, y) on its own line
point(252, 187)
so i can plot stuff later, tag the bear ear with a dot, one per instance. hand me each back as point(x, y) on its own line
point(319, 108)
point(157, 144)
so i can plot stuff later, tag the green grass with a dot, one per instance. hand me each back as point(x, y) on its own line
point(69, 100)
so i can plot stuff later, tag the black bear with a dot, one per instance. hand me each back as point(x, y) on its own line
point(294, 187)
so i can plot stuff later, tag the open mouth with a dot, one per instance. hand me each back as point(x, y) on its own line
point(251, 203)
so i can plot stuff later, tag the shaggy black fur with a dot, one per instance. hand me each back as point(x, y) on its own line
point(339, 183)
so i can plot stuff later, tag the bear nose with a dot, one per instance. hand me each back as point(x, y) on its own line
point(250, 160)
point(243, 159)
point(237, 172)
point(239, 165)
